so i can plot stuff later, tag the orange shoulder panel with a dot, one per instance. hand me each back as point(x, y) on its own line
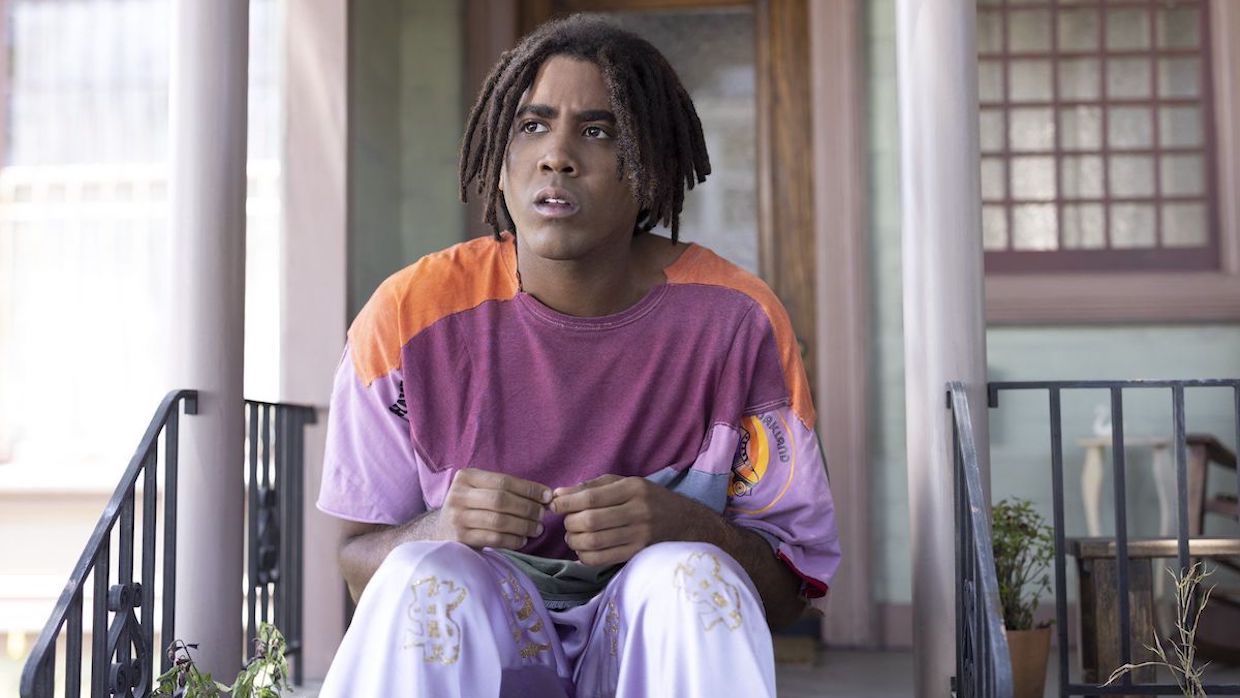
point(699, 265)
point(459, 278)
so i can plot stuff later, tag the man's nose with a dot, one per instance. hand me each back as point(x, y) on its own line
point(558, 158)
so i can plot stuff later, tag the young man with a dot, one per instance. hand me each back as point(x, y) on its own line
point(575, 458)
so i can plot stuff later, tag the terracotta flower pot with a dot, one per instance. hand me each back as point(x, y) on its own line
point(1029, 650)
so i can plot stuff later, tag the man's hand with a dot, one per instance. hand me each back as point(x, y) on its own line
point(483, 509)
point(610, 519)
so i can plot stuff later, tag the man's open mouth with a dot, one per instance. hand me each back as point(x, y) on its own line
point(554, 203)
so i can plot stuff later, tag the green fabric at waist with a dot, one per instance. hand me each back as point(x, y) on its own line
point(563, 584)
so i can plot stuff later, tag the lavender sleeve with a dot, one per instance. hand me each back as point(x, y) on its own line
point(370, 468)
point(779, 489)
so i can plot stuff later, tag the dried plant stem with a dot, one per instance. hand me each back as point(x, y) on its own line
point(1184, 669)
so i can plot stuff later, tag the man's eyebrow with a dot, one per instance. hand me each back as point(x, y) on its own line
point(596, 115)
point(544, 111)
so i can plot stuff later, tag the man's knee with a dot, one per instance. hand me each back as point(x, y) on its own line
point(442, 561)
point(663, 562)
point(700, 576)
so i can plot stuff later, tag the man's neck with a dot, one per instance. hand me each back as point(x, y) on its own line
point(603, 284)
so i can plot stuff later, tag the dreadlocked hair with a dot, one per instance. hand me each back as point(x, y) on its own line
point(660, 148)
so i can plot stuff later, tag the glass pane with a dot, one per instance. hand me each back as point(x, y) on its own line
point(1083, 226)
point(1179, 77)
point(1034, 227)
point(1132, 175)
point(989, 81)
point(1033, 178)
point(1128, 78)
point(714, 56)
point(1184, 225)
point(991, 128)
point(1033, 129)
point(1080, 128)
point(1130, 127)
point(993, 179)
point(1078, 29)
point(1029, 30)
point(1178, 27)
point(1031, 80)
point(1081, 176)
point(1132, 226)
point(1128, 28)
point(1183, 175)
point(1179, 126)
point(989, 31)
point(994, 228)
point(1080, 78)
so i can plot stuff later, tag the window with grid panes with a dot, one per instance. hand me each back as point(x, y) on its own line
point(1096, 135)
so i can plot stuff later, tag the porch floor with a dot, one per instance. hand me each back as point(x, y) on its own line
point(836, 673)
point(848, 674)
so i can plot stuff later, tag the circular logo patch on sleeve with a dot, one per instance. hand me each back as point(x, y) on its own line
point(753, 455)
point(765, 447)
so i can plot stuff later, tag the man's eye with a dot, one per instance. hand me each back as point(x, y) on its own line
point(595, 132)
point(532, 127)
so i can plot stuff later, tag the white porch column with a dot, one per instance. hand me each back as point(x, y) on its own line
point(313, 261)
point(944, 325)
point(208, 229)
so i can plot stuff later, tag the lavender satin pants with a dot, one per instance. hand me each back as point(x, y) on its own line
point(441, 619)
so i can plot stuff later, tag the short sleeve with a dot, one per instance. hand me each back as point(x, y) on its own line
point(779, 489)
point(370, 468)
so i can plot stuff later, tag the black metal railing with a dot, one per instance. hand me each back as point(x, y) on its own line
point(275, 483)
point(1123, 570)
point(983, 665)
point(123, 618)
point(123, 614)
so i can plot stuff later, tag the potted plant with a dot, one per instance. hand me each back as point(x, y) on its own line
point(264, 676)
point(1023, 546)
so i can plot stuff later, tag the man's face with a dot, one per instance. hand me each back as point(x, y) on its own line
point(559, 175)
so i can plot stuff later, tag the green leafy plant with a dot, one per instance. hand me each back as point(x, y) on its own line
point(1182, 660)
point(1023, 546)
point(264, 676)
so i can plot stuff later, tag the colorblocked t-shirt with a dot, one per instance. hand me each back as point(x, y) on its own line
point(698, 387)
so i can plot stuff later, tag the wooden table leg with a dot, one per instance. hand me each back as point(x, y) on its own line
point(1100, 627)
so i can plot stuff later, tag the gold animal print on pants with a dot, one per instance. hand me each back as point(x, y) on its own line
point(431, 625)
point(612, 627)
point(717, 602)
point(527, 627)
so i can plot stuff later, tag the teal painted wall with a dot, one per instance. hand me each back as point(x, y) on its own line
point(1019, 428)
point(406, 115)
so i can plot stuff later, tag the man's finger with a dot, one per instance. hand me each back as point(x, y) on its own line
point(490, 539)
point(601, 540)
point(610, 556)
point(609, 494)
point(483, 520)
point(487, 479)
point(597, 519)
point(596, 482)
point(504, 502)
